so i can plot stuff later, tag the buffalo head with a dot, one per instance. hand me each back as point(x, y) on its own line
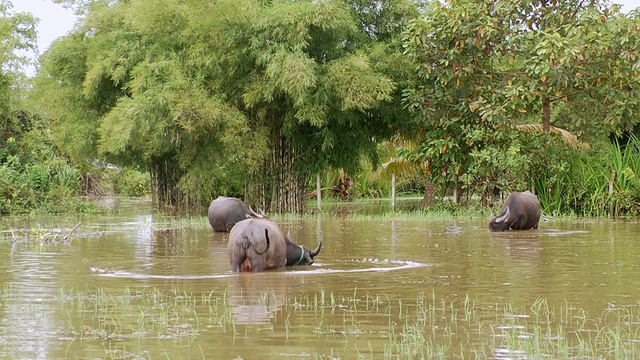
point(300, 255)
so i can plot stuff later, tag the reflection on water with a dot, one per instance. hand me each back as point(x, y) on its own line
point(370, 281)
point(254, 298)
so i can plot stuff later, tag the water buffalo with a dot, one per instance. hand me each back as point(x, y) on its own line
point(521, 211)
point(224, 212)
point(259, 244)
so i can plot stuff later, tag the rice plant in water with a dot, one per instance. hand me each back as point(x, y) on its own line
point(366, 323)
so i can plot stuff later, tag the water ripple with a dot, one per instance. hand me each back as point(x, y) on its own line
point(382, 267)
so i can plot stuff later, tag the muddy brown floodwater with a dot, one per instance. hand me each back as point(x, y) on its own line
point(135, 284)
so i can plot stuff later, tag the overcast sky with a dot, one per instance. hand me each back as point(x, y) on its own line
point(55, 21)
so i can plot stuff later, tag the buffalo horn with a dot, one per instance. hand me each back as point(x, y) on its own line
point(503, 217)
point(316, 251)
point(255, 214)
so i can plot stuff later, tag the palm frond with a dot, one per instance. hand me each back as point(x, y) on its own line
point(567, 137)
point(396, 165)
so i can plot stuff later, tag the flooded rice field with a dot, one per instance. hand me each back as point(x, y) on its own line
point(135, 284)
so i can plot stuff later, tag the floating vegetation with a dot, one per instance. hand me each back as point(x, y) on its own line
point(41, 235)
point(372, 325)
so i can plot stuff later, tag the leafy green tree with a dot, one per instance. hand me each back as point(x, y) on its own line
point(454, 95)
point(485, 69)
point(32, 174)
point(126, 88)
point(580, 56)
point(18, 35)
point(57, 95)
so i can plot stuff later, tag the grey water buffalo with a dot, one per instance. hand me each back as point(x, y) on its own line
point(521, 211)
point(259, 244)
point(224, 212)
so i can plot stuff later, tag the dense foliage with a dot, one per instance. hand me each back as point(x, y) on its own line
point(603, 183)
point(32, 174)
point(33, 177)
point(495, 77)
point(255, 98)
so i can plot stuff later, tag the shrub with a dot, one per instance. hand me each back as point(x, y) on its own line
point(128, 182)
point(134, 183)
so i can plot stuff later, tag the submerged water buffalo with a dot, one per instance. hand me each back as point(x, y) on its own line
point(259, 244)
point(521, 211)
point(224, 212)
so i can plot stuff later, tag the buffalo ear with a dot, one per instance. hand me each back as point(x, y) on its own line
point(503, 217)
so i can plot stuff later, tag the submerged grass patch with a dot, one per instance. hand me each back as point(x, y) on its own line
point(430, 327)
point(143, 312)
point(359, 323)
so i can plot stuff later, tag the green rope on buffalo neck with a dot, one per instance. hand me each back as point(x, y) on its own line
point(301, 256)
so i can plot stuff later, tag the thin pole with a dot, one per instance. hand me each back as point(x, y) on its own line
point(393, 192)
point(319, 192)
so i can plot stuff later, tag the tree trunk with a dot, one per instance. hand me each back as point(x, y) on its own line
point(429, 195)
point(281, 187)
point(546, 113)
point(164, 183)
